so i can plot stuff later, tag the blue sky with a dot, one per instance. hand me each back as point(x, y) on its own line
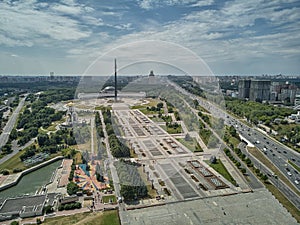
point(232, 37)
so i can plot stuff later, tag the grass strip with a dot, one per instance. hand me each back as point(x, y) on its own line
point(221, 169)
point(294, 165)
point(100, 218)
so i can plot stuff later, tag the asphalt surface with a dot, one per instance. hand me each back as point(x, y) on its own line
point(10, 123)
point(274, 151)
point(292, 196)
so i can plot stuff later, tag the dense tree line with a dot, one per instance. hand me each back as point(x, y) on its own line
point(98, 123)
point(117, 148)
point(37, 86)
point(70, 206)
point(255, 111)
point(57, 95)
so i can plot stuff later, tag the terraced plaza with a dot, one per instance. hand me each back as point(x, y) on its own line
point(166, 160)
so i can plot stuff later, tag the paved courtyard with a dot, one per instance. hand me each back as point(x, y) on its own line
point(256, 208)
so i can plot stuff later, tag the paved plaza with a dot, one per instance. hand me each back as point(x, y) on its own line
point(257, 208)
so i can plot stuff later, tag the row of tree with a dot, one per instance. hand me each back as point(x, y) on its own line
point(98, 123)
point(117, 148)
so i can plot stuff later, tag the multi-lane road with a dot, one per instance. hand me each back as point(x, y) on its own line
point(291, 195)
point(274, 151)
point(10, 123)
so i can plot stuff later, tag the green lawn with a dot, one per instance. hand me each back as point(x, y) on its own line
point(100, 218)
point(12, 163)
point(157, 119)
point(221, 169)
point(189, 144)
point(109, 199)
point(172, 130)
point(234, 141)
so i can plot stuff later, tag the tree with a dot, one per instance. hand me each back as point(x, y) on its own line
point(6, 149)
point(159, 105)
point(13, 134)
point(48, 209)
point(5, 172)
point(213, 159)
point(264, 177)
point(38, 221)
point(43, 139)
point(196, 103)
point(243, 170)
point(232, 131)
point(72, 188)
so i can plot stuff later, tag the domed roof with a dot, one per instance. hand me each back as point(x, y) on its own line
point(109, 88)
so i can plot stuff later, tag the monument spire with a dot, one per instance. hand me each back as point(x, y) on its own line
point(116, 92)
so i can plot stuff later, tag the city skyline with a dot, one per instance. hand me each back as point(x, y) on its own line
point(232, 37)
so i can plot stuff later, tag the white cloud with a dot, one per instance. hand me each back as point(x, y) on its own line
point(93, 21)
point(21, 24)
point(151, 4)
point(219, 35)
point(72, 10)
point(202, 3)
point(225, 35)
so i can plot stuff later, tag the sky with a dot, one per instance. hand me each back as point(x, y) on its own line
point(73, 37)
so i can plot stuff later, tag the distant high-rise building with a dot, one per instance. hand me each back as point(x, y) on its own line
point(51, 75)
point(244, 88)
point(284, 91)
point(255, 90)
point(260, 90)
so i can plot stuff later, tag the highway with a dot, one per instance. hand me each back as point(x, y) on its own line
point(10, 123)
point(274, 151)
point(275, 180)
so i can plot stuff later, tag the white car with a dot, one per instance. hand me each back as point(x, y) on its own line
point(296, 182)
point(289, 173)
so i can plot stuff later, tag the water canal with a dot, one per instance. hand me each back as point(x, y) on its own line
point(31, 182)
